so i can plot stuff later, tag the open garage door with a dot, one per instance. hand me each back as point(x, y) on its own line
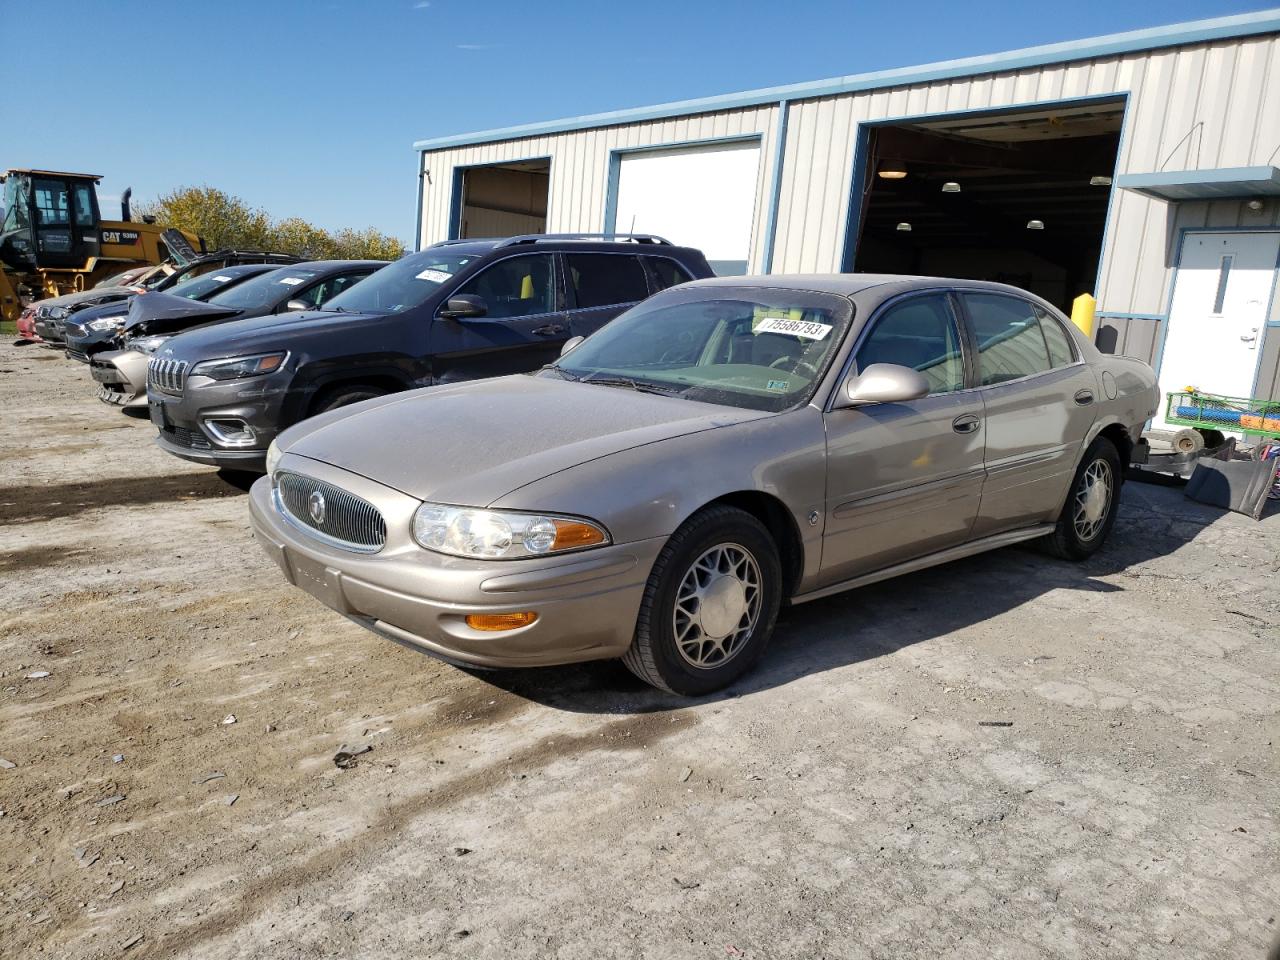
point(504, 201)
point(702, 197)
point(1019, 198)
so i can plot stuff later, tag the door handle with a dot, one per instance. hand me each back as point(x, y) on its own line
point(966, 424)
point(549, 329)
point(1084, 397)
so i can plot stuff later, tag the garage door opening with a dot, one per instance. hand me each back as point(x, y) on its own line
point(1019, 198)
point(703, 196)
point(504, 201)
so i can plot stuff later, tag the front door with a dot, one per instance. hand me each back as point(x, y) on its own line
point(904, 479)
point(1223, 287)
point(524, 327)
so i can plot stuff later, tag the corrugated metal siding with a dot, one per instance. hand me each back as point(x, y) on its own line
point(1198, 106)
point(580, 167)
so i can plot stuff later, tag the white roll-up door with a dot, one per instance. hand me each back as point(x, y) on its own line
point(702, 197)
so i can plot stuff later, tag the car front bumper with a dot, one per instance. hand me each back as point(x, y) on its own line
point(587, 603)
point(182, 420)
point(121, 376)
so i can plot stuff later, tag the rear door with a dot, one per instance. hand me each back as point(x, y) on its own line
point(1039, 399)
point(524, 328)
point(904, 479)
point(600, 286)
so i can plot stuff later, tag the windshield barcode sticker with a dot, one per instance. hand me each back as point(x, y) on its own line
point(291, 281)
point(221, 279)
point(796, 328)
point(435, 276)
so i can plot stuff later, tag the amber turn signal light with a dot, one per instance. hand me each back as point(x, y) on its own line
point(492, 622)
point(570, 535)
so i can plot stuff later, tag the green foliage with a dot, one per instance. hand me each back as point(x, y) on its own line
point(227, 221)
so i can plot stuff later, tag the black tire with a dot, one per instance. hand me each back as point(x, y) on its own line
point(340, 396)
point(655, 655)
point(1068, 540)
point(1212, 438)
point(1187, 440)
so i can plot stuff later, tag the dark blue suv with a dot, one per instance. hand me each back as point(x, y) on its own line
point(458, 310)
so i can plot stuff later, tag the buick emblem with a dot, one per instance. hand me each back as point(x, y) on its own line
point(315, 506)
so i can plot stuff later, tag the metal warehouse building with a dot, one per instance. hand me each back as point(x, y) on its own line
point(1139, 167)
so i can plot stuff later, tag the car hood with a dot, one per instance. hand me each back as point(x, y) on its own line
point(473, 443)
point(91, 296)
point(260, 334)
point(154, 312)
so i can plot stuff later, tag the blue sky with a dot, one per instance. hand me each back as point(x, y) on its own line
point(310, 109)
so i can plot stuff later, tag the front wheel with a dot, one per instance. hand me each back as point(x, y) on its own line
point(1092, 504)
point(710, 605)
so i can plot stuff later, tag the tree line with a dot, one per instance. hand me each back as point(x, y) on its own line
point(224, 220)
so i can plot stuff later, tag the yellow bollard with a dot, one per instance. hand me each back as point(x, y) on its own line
point(1083, 309)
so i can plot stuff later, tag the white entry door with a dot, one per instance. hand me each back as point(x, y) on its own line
point(702, 197)
point(1221, 294)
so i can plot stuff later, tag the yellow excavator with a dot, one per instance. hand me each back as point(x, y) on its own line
point(53, 239)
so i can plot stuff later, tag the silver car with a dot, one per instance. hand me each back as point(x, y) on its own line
point(722, 448)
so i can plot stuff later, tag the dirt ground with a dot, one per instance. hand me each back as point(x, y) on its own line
point(846, 800)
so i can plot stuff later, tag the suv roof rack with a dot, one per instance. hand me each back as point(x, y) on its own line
point(561, 237)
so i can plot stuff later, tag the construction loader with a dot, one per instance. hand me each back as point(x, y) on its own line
point(53, 239)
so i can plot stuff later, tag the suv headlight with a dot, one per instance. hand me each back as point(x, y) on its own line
point(106, 323)
point(236, 368)
point(145, 344)
point(501, 534)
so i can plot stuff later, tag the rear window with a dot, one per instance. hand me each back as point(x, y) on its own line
point(605, 279)
point(1010, 344)
point(1060, 352)
point(666, 273)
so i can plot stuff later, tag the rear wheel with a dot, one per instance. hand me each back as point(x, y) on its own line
point(341, 396)
point(1090, 510)
point(710, 605)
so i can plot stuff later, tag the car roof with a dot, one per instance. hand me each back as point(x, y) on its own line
point(852, 284)
point(475, 246)
point(325, 266)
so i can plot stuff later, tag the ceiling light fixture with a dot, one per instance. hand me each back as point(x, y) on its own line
point(892, 170)
point(1099, 181)
point(951, 187)
point(1035, 224)
point(904, 227)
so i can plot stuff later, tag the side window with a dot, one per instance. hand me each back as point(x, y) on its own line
point(666, 273)
point(1060, 352)
point(1010, 344)
point(920, 333)
point(605, 279)
point(337, 285)
point(52, 202)
point(517, 287)
point(84, 205)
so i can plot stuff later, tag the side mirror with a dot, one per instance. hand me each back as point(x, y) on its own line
point(464, 306)
point(293, 305)
point(570, 344)
point(883, 383)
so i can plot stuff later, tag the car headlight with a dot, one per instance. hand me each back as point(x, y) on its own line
point(501, 534)
point(273, 458)
point(146, 344)
point(106, 323)
point(236, 368)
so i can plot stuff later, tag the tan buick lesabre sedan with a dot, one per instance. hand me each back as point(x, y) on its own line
point(722, 448)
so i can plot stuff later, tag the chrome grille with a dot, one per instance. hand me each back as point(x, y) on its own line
point(344, 519)
point(166, 375)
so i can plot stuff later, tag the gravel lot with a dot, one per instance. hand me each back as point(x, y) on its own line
point(845, 801)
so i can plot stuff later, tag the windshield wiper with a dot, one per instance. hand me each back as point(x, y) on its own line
point(632, 384)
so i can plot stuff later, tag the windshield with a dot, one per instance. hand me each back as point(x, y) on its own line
point(754, 348)
point(266, 290)
point(402, 285)
point(200, 288)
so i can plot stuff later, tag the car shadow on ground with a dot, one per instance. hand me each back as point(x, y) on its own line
point(57, 500)
point(882, 618)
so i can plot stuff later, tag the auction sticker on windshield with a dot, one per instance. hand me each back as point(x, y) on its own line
point(221, 279)
point(795, 328)
point(291, 281)
point(435, 276)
